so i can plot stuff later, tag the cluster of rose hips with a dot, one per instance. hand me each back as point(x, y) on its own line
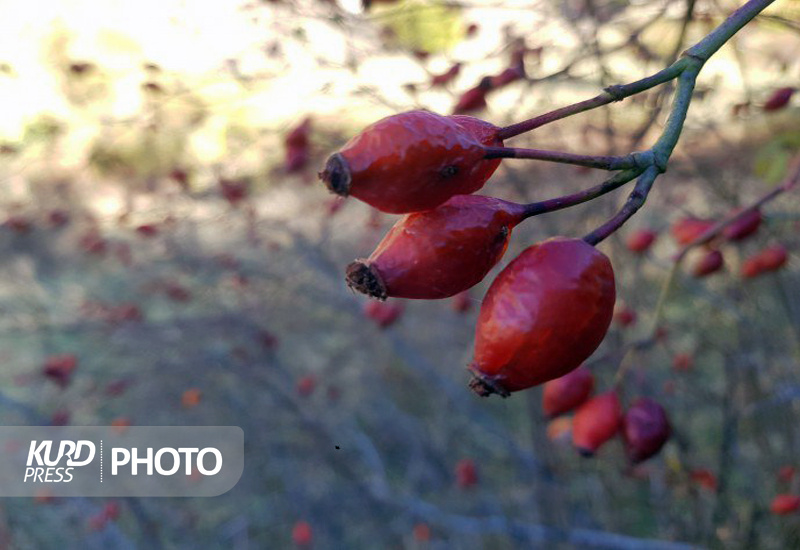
point(543, 315)
point(644, 426)
point(685, 231)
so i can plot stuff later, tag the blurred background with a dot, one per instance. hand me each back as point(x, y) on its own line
point(168, 257)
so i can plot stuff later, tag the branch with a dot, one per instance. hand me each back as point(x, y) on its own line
point(635, 201)
point(559, 203)
point(610, 95)
point(602, 162)
point(791, 181)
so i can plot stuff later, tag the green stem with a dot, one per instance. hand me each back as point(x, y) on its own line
point(709, 45)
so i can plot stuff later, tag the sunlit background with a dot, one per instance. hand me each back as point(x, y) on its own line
point(159, 235)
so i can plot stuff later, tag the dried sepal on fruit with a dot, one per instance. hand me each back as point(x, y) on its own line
point(543, 315)
point(438, 253)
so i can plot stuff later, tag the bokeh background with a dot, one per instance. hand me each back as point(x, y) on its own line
point(174, 263)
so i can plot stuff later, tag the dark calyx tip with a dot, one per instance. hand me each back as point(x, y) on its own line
point(485, 386)
point(585, 453)
point(364, 278)
point(336, 175)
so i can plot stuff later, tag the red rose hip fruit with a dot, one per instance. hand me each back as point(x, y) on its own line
point(785, 504)
point(413, 161)
point(645, 429)
point(567, 392)
point(438, 253)
point(685, 230)
point(711, 262)
point(544, 314)
point(595, 422)
point(745, 226)
point(640, 241)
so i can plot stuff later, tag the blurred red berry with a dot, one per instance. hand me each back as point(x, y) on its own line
point(306, 385)
point(447, 76)
point(60, 417)
point(682, 361)
point(786, 473)
point(779, 99)
point(302, 534)
point(625, 316)
point(382, 313)
point(784, 504)
point(745, 226)
point(711, 262)
point(421, 532)
point(297, 146)
point(234, 191)
point(509, 75)
point(704, 478)
point(58, 218)
point(645, 429)
point(111, 510)
point(19, 224)
point(686, 230)
point(267, 339)
point(466, 473)
point(59, 368)
point(93, 243)
point(595, 422)
point(191, 397)
point(769, 259)
point(177, 292)
point(96, 522)
point(640, 241)
point(567, 392)
point(473, 99)
point(147, 230)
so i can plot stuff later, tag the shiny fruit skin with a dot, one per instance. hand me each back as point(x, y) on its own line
point(544, 314)
point(641, 241)
point(486, 134)
point(410, 162)
point(438, 253)
point(686, 230)
point(645, 429)
point(745, 226)
point(567, 392)
point(711, 262)
point(784, 504)
point(595, 422)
